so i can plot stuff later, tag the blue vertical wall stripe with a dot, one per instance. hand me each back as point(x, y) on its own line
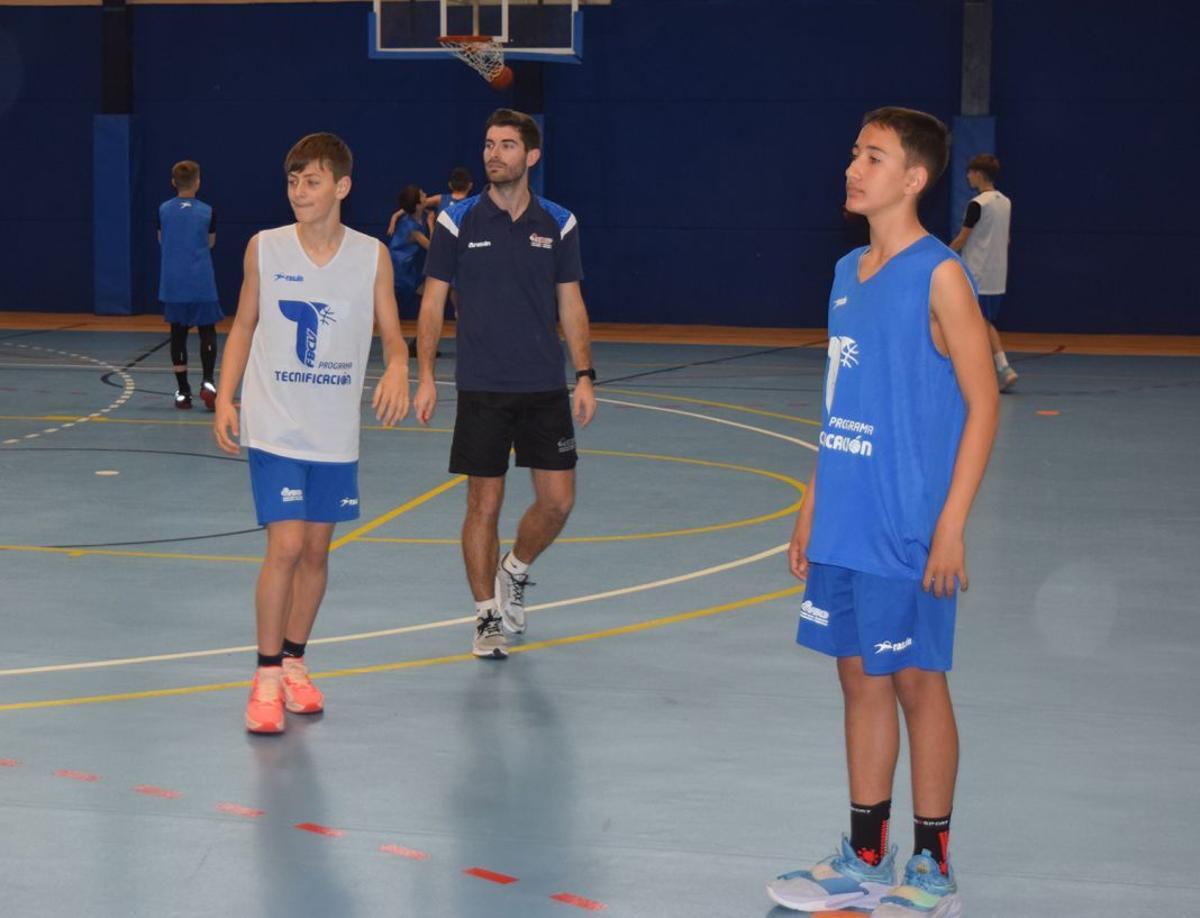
point(972, 135)
point(113, 152)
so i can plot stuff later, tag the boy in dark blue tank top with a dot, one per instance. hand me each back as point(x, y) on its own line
point(187, 287)
point(910, 412)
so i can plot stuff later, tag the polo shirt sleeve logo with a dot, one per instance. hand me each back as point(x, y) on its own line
point(540, 242)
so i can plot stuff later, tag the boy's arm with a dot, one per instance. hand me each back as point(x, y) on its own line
point(960, 325)
point(237, 352)
point(802, 531)
point(429, 332)
point(392, 223)
point(960, 240)
point(390, 400)
point(572, 315)
point(420, 239)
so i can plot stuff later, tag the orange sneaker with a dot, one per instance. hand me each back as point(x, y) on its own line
point(264, 710)
point(299, 694)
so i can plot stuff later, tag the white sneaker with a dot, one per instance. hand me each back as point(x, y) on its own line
point(510, 598)
point(489, 642)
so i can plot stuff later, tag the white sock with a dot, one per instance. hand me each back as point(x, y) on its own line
point(514, 566)
point(1001, 360)
point(484, 607)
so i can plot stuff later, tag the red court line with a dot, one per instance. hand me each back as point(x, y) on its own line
point(318, 829)
point(9, 763)
point(151, 791)
point(490, 875)
point(579, 902)
point(1048, 414)
point(238, 810)
point(76, 775)
point(400, 850)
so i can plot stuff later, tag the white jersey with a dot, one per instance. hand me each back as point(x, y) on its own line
point(303, 386)
point(986, 249)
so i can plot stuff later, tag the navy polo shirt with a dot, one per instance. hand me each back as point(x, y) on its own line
point(505, 272)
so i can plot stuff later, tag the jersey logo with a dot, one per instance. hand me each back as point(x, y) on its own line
point(840, 301)
point(486, 243)
point(309, 317)
point(294, 278)
point(843, 352)
point(540, 242)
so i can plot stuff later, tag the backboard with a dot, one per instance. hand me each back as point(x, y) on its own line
point(530, 30)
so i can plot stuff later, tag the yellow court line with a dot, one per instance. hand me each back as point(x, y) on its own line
point(112, 552)
point(417, 664)
point(172, 423)
point(703, 401)
point(392, 514)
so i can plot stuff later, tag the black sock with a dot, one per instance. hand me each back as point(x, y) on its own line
point(292, 649)
point(869, 830)
point(179, 335)
point(208, 351)
point(274, 659)
point(181, 383)
point(932, 835)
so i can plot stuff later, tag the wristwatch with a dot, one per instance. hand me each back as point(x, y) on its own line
point(589, 373)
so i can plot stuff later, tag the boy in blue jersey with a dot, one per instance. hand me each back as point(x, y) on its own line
point(407, 244)
point(311, 294)
point(909, 417)
point(187, 287)
point(514, 260)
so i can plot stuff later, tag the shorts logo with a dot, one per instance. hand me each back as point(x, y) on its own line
point(349, 502)
point(893, 648)
point(291, 495)
point(566, 444)
point(540, 242)
point(811, 613)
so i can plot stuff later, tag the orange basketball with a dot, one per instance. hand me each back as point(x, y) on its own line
point(502, 80)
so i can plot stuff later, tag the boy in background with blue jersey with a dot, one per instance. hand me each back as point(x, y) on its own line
point(909, 417)
point(407, 244)
point(187, 287)
point(311, 294)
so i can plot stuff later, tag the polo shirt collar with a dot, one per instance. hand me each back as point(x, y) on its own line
point(533, 212)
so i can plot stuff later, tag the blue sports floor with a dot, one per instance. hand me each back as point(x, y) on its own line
point(659, 747)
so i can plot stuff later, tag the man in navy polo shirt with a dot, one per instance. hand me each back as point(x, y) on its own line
point(514, 260)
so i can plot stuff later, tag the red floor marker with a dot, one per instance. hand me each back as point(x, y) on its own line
point(1049, 414)
point(76, 775)
point(151, 791)
point(238, 810)
point(9, 763)
point(401, 851)
point(490, 875)
point(319, 830)
point(579, 902)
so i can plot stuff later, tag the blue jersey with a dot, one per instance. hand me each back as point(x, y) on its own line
point(892, 419)
point(187, 268)
point(408, 258)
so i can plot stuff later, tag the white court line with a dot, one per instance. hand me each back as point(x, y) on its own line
point(705, 417)
point(407, 629)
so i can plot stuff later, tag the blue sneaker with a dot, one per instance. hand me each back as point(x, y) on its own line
point(840, 881)
point(925, 893)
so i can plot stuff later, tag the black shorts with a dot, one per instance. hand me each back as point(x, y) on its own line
point(489, 424)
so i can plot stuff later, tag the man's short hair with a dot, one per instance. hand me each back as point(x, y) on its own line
point(185, 174)
point(985, 163)
point(460, 179)
point(322, 148)
point(531, 134)
point(924, 139)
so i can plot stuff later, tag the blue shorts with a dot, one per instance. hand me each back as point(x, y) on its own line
point(289, 489)
point(190, 314)
point(989, 305)
point(891, 624)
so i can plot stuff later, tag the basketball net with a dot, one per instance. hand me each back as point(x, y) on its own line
point(484, 54)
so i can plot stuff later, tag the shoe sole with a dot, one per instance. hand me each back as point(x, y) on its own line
point(254, 727)
point(950, 907)
point(494, 654)
point(865, 904)
point(184, 406)
point(209, 399)
point(303, 709)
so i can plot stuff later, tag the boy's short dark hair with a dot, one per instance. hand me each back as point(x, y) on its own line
point(324, 149)
point(985, 163)
point(460, 179)
point(409, 199)
point(924, 139)
point(531, 134)
point(185, 174)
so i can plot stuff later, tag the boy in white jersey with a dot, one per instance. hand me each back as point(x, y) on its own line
point(983, 242)
point(310, 295)
point(909, 416)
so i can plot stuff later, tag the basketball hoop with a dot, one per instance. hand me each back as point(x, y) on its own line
point(484, 54)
